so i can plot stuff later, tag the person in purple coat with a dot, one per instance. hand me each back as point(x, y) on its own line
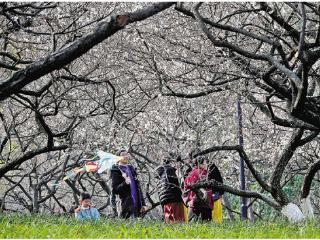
point(126, 184)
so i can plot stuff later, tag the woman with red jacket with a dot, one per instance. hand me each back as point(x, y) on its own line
point(200, 202)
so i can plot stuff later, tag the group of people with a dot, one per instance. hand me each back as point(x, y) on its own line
point(180, 201)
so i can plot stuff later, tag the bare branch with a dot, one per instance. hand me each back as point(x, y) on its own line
point(67, 54)
point(248, 194)
point(306, 185)
point(17, 162)
point(219, 43)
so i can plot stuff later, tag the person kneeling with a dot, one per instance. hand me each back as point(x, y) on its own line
point(86, 211)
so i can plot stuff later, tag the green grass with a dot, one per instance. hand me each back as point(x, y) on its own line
point(23, 226)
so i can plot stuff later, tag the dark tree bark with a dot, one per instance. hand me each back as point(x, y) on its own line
point(306, 185)
point(67, 54)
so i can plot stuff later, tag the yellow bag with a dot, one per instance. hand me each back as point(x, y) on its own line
point(217, 211)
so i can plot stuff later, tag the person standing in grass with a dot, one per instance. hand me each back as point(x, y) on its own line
point(86, 211)
point(169, 192)
point(126, 184)
point(199, 201)
point(214, 174)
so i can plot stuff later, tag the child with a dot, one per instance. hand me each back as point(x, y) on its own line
point(86, 211)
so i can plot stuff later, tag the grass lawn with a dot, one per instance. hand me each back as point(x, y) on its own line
point(22, 226)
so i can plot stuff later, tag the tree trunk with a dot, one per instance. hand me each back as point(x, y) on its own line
point(250, 208)
point(251, 213)
point(292, 212)
point(305, 190)
point(306, 207)
point(228, 207)
point(35, 199)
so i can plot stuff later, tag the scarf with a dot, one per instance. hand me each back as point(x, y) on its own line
point(128, 169)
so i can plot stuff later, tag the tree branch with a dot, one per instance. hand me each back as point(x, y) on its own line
point(17, 162)
point(77, 48)
point(225, 44)
point(244, 156)
point(248, 194)
point(306, 185)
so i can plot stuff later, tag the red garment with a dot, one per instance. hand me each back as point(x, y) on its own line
point(197, 174)
point(174, 212)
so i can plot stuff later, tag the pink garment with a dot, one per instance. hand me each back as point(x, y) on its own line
point(197, 174)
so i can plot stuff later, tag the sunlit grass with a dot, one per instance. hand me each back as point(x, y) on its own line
point(44, 226)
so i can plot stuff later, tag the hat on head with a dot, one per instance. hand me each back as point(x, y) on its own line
point(167, 160)
point(121, 150)
point(198, 160)
point(122, 159)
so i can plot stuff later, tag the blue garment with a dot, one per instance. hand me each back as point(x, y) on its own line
point(215, 196)
point(88, 214)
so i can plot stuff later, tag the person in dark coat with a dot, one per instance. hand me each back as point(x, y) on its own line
point(214, 174)
point(113, 203)
point(170, 193)
point(127, 186)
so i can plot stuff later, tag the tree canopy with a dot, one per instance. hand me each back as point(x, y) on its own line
point(159, 78)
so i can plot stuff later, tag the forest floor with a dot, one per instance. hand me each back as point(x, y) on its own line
point(23, 226)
